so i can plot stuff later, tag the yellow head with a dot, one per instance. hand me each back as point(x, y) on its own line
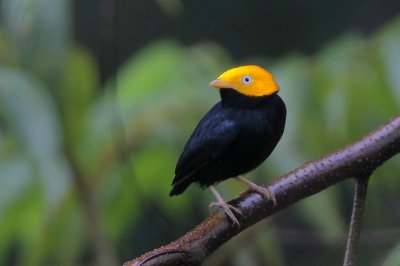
point(248, 80)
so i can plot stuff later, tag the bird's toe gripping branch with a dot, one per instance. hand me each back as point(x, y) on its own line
point(263, 191)
point(227, 208)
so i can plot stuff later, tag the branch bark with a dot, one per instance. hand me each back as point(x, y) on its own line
point(360, 195)
point(358, 159)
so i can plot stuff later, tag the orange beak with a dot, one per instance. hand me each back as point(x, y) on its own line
point(220, 84)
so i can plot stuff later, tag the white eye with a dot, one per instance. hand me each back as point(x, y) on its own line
point(246, 80)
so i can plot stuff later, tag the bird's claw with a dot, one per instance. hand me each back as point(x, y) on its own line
point(217, 205)
point(227, 209)
point(264, 192)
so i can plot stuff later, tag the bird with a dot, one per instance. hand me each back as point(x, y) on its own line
point(235, 136)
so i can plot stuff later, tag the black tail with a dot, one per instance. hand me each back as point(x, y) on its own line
point(179, 187)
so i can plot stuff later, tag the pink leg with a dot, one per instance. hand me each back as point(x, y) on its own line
point(265, 192)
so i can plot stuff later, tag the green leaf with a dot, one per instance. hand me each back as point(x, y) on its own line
point(79, 83)
point(30, 112)
point(39, 31)
point(155, 68)
point(393, 258)
point(322, 212)
point(7, 51)
point(15, 178)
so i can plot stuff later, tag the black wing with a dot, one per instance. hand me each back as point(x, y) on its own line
point(212, 135)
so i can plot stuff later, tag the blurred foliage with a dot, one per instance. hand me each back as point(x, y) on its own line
point(57, 127)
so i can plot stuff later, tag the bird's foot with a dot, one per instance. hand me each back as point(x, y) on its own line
point(227, 209)
point(263, 191)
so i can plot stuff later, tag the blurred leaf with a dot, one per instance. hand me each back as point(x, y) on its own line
point(139, 80)
point(79, 84)
point(22, 225)
point(292, 76)
point(154, 86)
point(393, 258)
point(388, 45)
point(7, 51)
point(154, 169)
point(155, 68)
point(322, 212)
point(16, 181)
point(66, 241)
point(32, 235)
point(173, 8)
point(30, 112)
point(15, 177)
point(38, 29)
point(271, 249)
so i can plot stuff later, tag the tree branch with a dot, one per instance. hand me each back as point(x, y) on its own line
point(360, 195)
point(358, 159)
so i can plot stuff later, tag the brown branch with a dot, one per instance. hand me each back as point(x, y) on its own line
point(358, 159)
point(360, 195)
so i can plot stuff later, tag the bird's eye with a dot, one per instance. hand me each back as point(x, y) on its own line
point(246, 79)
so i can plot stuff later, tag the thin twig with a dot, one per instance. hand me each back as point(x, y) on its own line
point(358, 159)
point(360, 195)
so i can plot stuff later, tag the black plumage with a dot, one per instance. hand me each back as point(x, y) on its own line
point(234, 137)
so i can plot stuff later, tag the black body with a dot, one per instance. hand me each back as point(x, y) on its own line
point(234, 137)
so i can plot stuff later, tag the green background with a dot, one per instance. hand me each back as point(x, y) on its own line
point(86, 160)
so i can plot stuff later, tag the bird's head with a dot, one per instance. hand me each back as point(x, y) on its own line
point(249, 80)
